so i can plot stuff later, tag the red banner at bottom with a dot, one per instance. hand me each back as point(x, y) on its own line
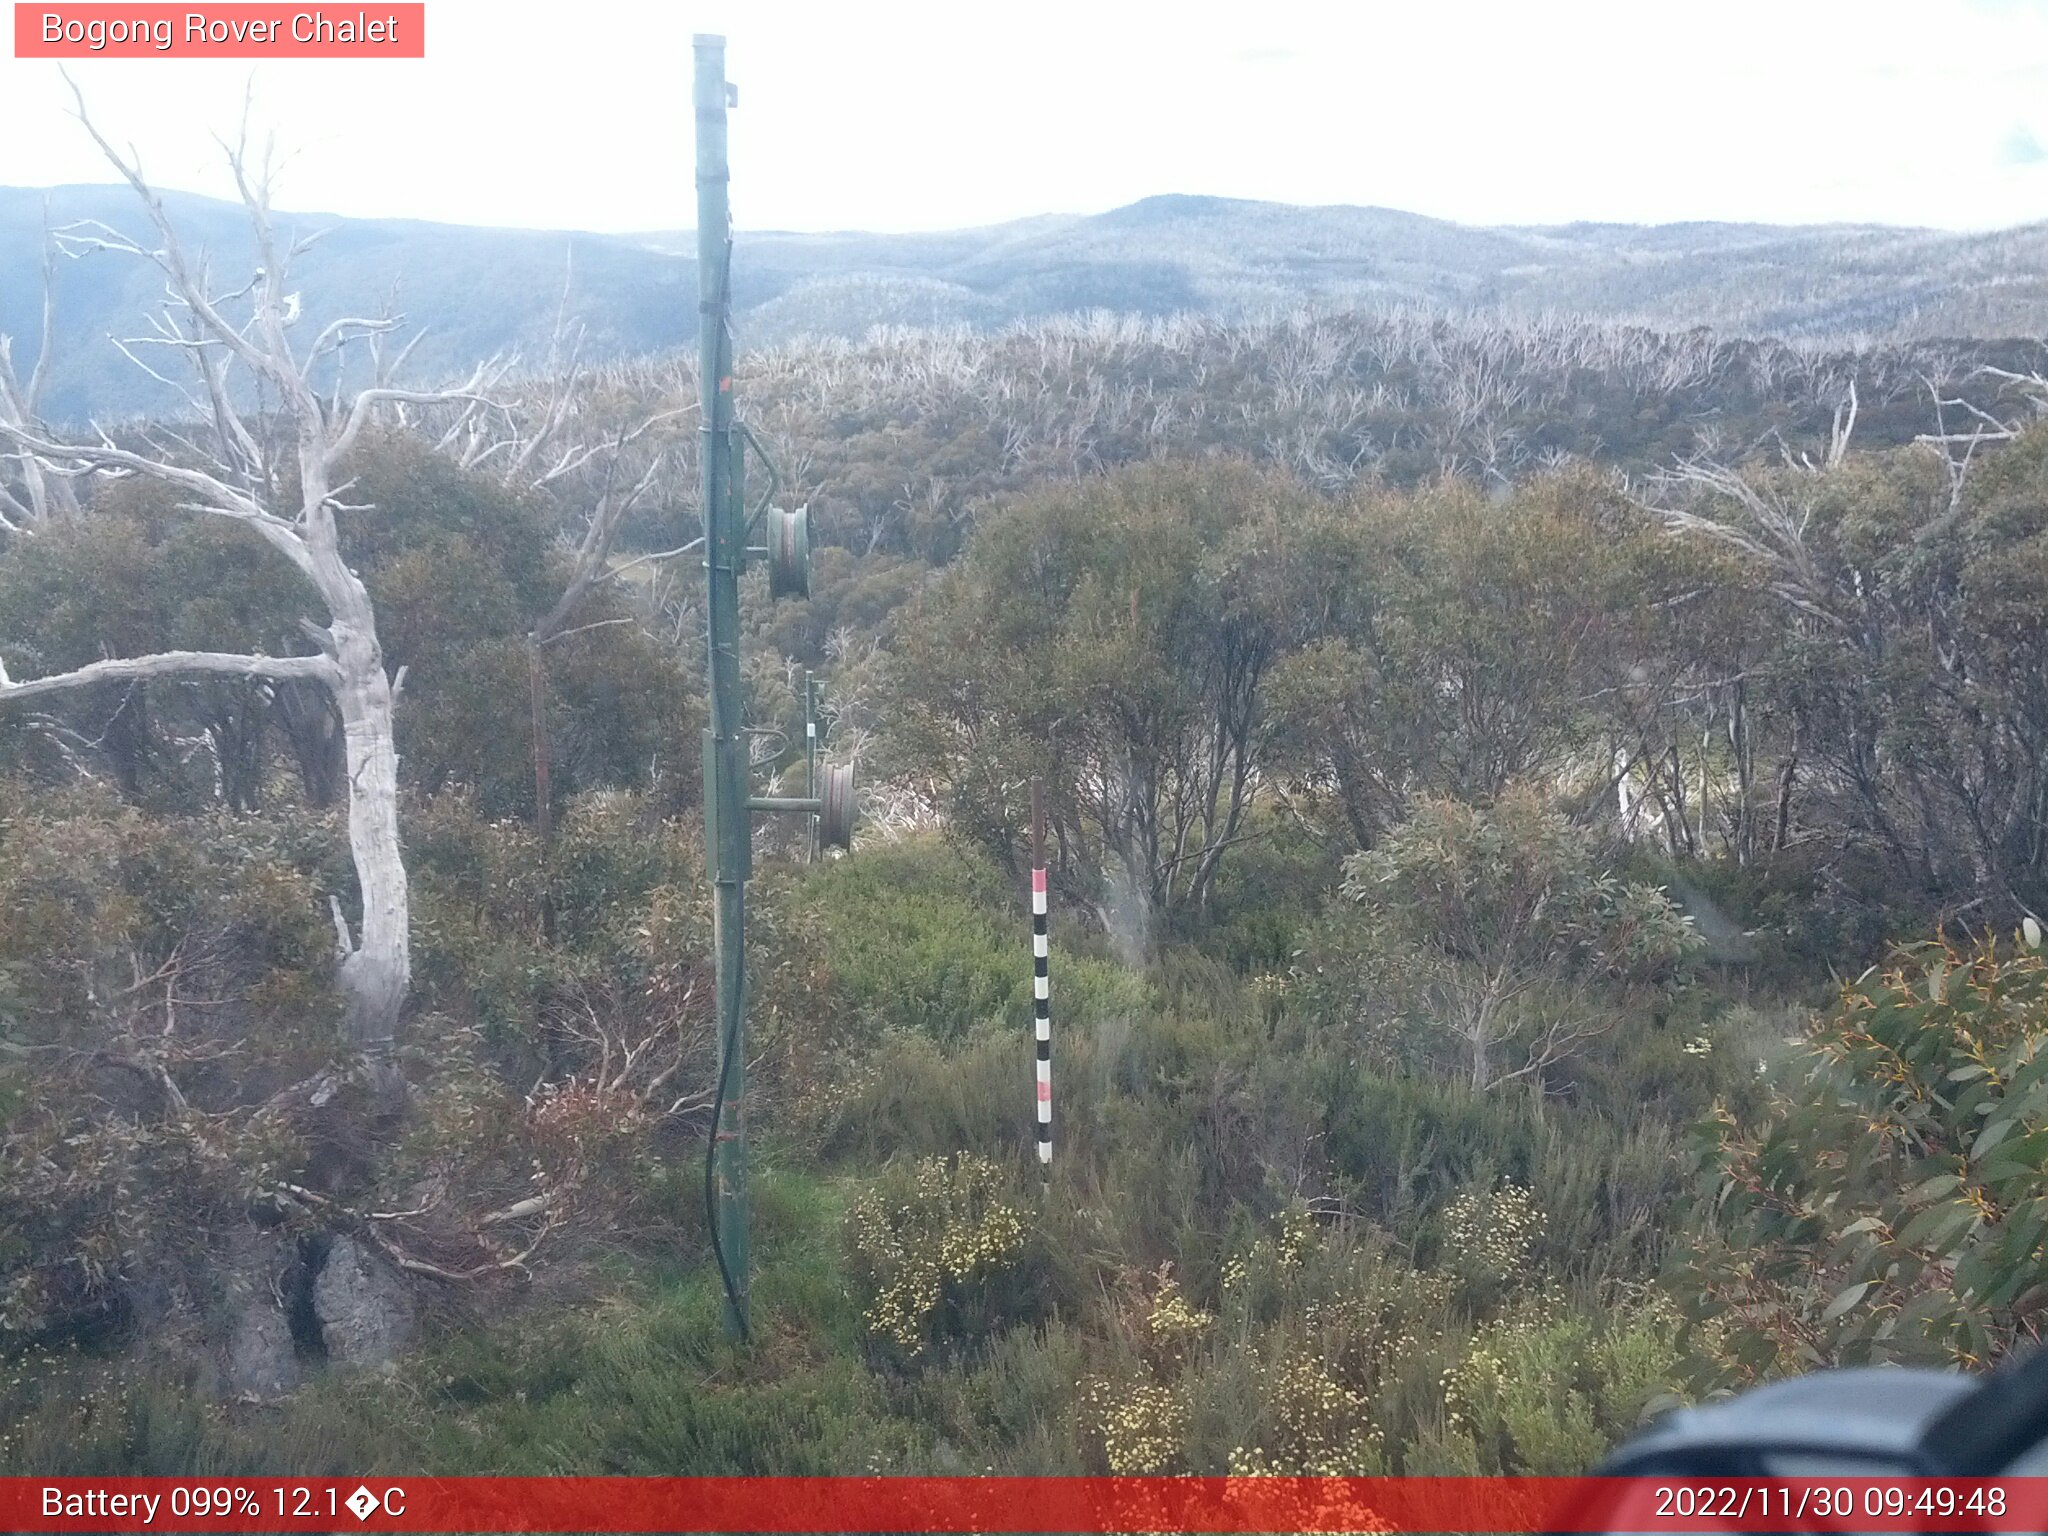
point(1021, 1504)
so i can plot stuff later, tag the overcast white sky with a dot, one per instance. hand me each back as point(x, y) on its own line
point(890, 114)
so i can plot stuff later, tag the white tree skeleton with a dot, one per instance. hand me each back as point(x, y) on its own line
point(244, 479)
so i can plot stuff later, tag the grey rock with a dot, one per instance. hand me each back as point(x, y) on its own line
point(259, 1357)
point(363, 1307)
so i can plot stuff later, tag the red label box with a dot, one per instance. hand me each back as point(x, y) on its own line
point(379, 30)
point(1085, 1506)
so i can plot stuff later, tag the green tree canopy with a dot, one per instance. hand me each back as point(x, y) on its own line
point(1507, 922)
point(1889, 1205)
point(1113, 635)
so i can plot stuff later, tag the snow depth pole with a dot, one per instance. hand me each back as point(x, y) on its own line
point(1041, 983)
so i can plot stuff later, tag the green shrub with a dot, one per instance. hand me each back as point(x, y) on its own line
point(165, 979)
point(1485, 1238)
point(1266, 895)
point(923, 936)
point(1522, 943)
point(1326, 1353)
point(1891, 1203)
point(938, 1254)
point(1009, 1408)
point(1546, 1392)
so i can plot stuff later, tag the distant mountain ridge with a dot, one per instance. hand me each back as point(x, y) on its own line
point(477, 291)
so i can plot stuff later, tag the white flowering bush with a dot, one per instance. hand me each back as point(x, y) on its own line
point(1141, 1424)
point(1333, 1325)
point(1273, 1268)
point(1174, 1326)
point(1486, 1237)
point(1315, 1425)
point(936, 1252)
point(1546, 1390)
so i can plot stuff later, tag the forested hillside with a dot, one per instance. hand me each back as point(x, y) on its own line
point(1548, 822)
point(472, 292)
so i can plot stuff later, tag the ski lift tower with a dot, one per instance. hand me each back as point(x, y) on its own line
point(729, 803)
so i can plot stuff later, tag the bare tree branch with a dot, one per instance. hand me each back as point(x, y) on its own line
point(130, 669)
point(239, 477)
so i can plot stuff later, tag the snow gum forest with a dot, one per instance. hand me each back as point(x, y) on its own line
point(1547, 825)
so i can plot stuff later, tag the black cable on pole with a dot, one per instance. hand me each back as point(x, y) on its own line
point(718, 312)
point(732, 1291)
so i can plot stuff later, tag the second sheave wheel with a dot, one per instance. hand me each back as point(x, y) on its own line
point(789, 552)
point(836, 818)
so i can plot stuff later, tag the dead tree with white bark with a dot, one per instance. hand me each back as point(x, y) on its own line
point(30, 496)
point(281, 474)
point(1919, 724)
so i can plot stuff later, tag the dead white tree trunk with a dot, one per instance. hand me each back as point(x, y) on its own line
point(29, 497)
point(280, 477)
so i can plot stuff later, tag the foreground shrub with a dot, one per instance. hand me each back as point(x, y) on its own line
point(160, 982)
point(928, 937)
point(937, 1255)
point(1891, 1202)
point(1516, 943)
point(1547, 1392)
point(1485, 1238)
point(1140, 1424)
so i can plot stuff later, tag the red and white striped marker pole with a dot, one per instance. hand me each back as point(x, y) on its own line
point(1041, 985)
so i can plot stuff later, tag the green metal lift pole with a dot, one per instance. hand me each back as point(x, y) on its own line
point(727, 824)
